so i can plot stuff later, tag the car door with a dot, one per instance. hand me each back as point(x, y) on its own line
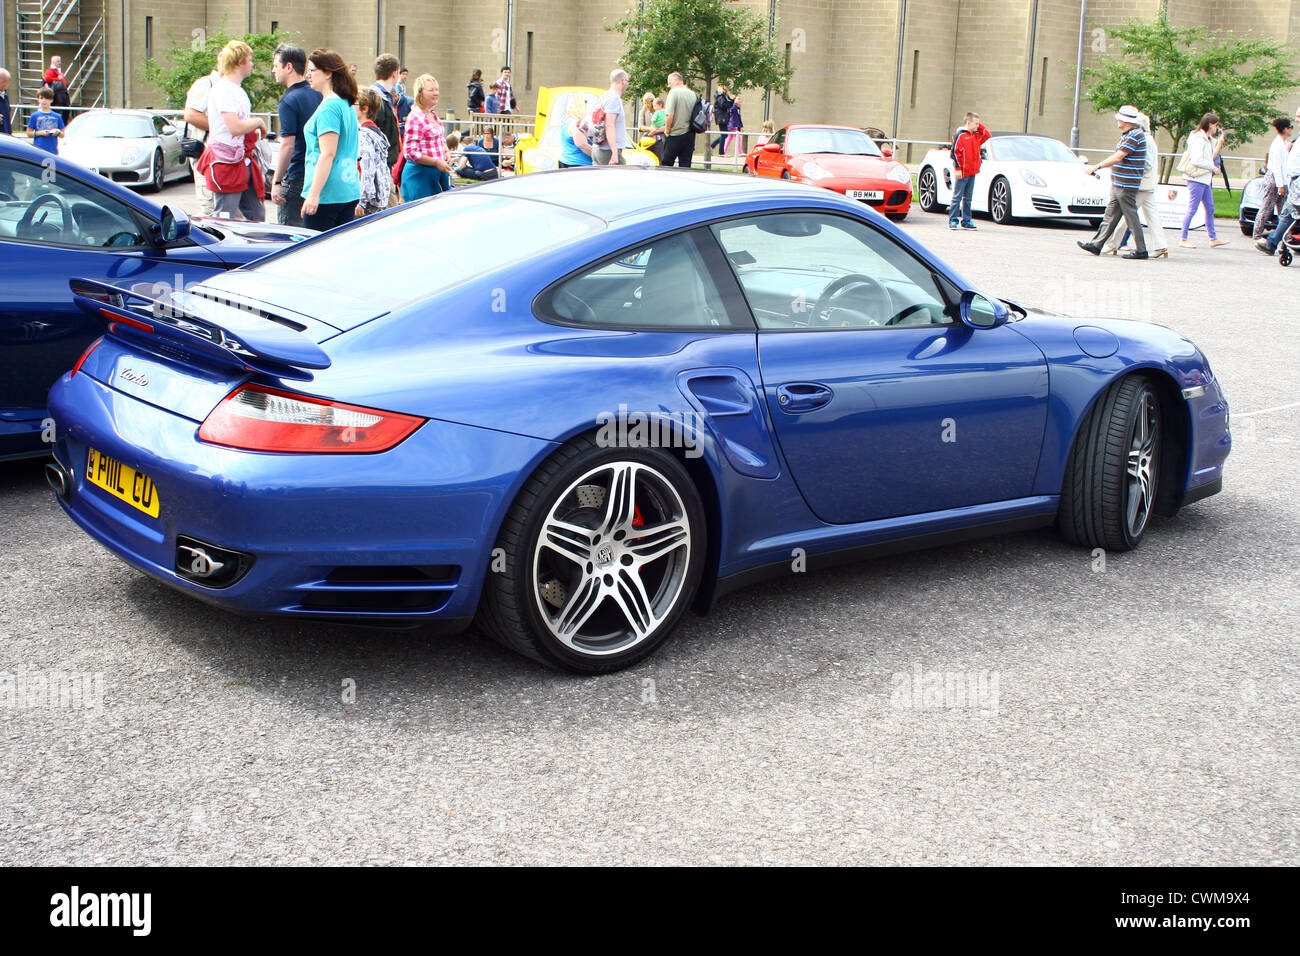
point(169, 139)
point(989, 171)
point(54, 227)
point(772, 162)
point(884, 403)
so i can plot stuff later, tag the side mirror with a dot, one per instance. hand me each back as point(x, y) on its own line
point(886, 152)
point(771, 147)
point(168, 129)
point(978, 312)
point(175, 224)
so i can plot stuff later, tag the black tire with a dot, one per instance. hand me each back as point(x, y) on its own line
point(896, 216)
point(1247, 228)
point(1283, 254)
point(1000, 202)
point(156, 180)
point(1094, 224)
point(785, 174)
point(538, 577)
point(1097, 508)
point(927, 191)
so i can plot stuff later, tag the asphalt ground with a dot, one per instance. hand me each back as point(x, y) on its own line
point(1140, 710)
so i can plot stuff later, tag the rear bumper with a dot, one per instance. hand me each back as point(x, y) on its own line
point(399, 537)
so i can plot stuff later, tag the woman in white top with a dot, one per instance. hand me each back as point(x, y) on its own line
point(1203, 146)
point(1146, 201)
point(1274, 178)
point(230, 119)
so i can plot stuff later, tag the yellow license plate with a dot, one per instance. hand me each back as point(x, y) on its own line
point(122, 481)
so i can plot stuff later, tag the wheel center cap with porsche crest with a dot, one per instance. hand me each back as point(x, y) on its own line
point(605, 556)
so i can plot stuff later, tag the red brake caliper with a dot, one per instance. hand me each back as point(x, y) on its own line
point(637, 520)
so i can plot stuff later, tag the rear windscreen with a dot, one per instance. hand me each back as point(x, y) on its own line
point(429, 246)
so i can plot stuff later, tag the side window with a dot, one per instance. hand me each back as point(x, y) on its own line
point(662, 285)
point(38, 204)
point(808, 270)
point(778, 137)
point(159, 125)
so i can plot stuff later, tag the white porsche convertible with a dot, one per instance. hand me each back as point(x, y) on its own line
point(1023, 176)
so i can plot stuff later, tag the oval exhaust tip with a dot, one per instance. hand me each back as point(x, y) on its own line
point(58, 479)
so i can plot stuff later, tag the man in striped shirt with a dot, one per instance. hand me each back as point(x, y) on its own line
point(1126, 165)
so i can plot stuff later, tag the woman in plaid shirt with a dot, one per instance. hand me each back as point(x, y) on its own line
point(425, 147)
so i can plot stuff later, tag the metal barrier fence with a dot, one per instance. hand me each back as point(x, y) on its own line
point(731, 156)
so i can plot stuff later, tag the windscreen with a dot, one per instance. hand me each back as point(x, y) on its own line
point(110, 126)
point(852, 142)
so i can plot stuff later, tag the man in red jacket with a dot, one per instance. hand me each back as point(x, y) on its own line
point(965, 164)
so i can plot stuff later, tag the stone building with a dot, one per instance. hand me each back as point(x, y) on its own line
point(911, 67)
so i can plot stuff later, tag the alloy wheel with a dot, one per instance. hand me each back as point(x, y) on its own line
point(1001, 204)
point(929, 191)
point(610, 562)
point(1144, 443)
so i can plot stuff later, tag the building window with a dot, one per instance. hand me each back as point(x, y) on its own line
point(1042, 87)
point(528, 62)
point(916, 71)
point(275, 26)
point(787, 56)
point(148, 38)
point(401, 45)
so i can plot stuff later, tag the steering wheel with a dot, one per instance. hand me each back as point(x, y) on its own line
point(121, 239)
point(582, 312)
point(853, 283)
point(908, 310)
point(26, 229)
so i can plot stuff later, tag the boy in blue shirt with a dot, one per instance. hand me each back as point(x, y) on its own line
point(45, 126)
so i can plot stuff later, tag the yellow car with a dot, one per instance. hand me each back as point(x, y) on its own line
point(541, 151)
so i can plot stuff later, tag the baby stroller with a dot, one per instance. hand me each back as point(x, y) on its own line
point(1290, 247)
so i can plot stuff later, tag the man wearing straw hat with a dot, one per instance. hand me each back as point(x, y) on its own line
point(1127, 163)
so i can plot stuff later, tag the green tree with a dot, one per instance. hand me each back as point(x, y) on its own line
point(184, 63)
point(1176, 76)
point(704, 41)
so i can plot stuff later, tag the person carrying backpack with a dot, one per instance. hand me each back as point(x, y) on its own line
point(681, 106)
point(722, 101)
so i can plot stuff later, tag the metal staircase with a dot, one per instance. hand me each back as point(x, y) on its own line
point(72, 29)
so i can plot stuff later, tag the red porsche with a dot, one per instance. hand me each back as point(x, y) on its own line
point(841, 158)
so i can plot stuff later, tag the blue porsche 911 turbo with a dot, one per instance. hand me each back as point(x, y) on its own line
point(571, 405)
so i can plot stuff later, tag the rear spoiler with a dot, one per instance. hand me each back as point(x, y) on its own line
point(247, 338)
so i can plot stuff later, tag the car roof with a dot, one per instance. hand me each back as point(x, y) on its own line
point(856, 129)
point(621, 191)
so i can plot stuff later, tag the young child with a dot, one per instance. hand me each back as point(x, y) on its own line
point(769, 130)
point(45, 125)
point(372, 155)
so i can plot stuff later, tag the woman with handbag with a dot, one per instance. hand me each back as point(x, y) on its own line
point(331, 186)
point(228, 162)
point(1197, 165)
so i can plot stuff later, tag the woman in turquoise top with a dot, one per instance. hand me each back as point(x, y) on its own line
point(575, 150)
point(331, 186)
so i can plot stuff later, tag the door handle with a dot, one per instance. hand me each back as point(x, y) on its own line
point(795, 397)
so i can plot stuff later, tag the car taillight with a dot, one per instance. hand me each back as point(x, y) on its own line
point(85, 355)
point(264, 419)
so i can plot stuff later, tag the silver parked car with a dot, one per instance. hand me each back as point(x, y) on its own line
point(132, 147)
